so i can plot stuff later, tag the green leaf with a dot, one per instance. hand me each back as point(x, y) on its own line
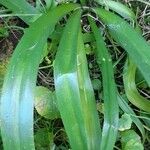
point(20, 81)
point(125, 122)
point(45, 103)
point(88, 49)
point(22, 7)
point(4, 32)
point(127, 109)
point(74, 91)
point(146, 118)
point(119, 8)
point(43, 139)
point(96, 84)
point(88, 37)
point(131, 141)
point(65, 77)
point(83, 1)
point(88, 101)
point(129, 39)
point(111, 111)
point(130, 87)
point(48, 3)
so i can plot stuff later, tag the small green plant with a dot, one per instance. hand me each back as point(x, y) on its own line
point(75, 100)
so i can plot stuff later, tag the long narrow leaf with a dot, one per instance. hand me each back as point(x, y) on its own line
point(66, 84)
point(127, 109)
point(130, 87)
point(118, 7)
point(17, 94)
point(111, 110)
point(74, 91)
point(21, 7)
point(83, 1)
point(129, 39)
point(92, 125)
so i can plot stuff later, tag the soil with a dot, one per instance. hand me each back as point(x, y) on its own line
point(9, 42)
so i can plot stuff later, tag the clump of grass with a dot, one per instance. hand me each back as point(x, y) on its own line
point(106, 58)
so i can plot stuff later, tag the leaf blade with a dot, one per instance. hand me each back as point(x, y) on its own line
point(127, 109)
point(20, 80)
point(134, 44)
point(111, 111)
point(130, 87)
point(21, 7)
point(66, 84)
point(87, 98)
point(72, 87)
point(119, 8)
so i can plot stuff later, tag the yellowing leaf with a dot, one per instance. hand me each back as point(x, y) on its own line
point(125, 122)
point(131, 141)
point(45, 103)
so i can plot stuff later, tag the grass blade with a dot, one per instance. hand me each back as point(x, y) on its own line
point(88, 101)
point(66, 85)
point(119, 8)
point(127, 109)
point(130, 87)
point(21, 7)
point(20, 80)
point(83, 2)
point(75, 98)
point(111, 111)
point(129, 39)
